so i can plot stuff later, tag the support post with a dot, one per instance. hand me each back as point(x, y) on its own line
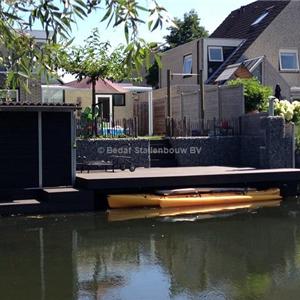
point(40, 145)
point(201, 84)
point(94, 121)
point(168, 102)
point(150, 113)
point(73, 147)
point(201, 96)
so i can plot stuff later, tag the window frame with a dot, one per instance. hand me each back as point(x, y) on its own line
point(124, 100)
point(186, 74)
point(293, 51)
point(12, 90)
point(210, 59)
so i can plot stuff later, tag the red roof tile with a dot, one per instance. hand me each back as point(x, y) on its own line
point(103, 86)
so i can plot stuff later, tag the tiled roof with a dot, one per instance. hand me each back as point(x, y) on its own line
point(26, 103)
point(37, 106)
point(239, 25)
point(103, 86)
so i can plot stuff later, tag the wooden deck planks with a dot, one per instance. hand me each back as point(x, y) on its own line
point(184, 177)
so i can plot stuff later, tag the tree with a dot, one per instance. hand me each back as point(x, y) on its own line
point(94, 60)
point(185, 31)
point(56, 18)
point(256, 95)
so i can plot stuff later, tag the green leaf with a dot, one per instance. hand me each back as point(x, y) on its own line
point(126, 31)
point(108, 13)
point(157, 23)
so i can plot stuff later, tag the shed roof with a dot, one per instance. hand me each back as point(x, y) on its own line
point(228, 73)
point(36, 106)
point(230, 70)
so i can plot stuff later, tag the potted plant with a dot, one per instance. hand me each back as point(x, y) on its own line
point(256, 95)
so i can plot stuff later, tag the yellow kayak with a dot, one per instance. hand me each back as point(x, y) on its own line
point(179, 200)
point(146, 213)
point(133, 200)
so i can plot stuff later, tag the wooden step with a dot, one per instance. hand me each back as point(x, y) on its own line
point(20, 207)
point(64, 194)
point(68, 199)
point(8, 195)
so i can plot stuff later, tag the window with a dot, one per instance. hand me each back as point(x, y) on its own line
point(215, 54)
point(119, 100)
point(187, 64)
point(9, 95)
point(260, 18)
point(258, 73)
point(52, 95)
point(288, 60)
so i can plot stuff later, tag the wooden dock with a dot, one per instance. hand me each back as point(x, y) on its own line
point(158, 178)
point(91, 189)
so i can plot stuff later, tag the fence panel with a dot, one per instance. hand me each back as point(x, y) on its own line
point(159, 116)
point(220, 103)
point(211, 103)
point(143, 117)
point(232, 104)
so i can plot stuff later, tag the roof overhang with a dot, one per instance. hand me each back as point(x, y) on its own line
point(138, 89)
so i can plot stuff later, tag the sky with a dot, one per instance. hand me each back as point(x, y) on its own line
point(211, 12)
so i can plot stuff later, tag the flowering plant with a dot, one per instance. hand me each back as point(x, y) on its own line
point(290, 111)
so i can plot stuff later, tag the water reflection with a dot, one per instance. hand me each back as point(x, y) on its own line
point(247, 256)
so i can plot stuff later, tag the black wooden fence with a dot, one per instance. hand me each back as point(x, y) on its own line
point(216, 127)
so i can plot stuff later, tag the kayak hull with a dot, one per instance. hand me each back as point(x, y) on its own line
point(204, 199)
point(148, 213)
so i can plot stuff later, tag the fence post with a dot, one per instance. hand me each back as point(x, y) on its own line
point(168, 127)
point(171, 127)
point(215, 132)
point(271, 106)
point(293, 146)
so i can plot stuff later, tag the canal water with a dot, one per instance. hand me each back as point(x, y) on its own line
point(245, 255)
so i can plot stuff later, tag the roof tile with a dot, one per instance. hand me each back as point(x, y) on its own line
point(239, 25)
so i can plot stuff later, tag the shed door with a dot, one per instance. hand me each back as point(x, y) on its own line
point(56, 148)
point(19, 150)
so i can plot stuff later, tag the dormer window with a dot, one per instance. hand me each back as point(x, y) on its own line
point(260, 18)
point(215, 54)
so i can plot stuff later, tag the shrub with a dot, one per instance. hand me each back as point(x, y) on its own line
point(256, 95)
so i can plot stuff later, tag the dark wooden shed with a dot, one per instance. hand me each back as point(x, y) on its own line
point(36, 145)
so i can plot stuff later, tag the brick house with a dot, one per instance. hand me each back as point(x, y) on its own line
point(267, 44)
point(19, 93)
